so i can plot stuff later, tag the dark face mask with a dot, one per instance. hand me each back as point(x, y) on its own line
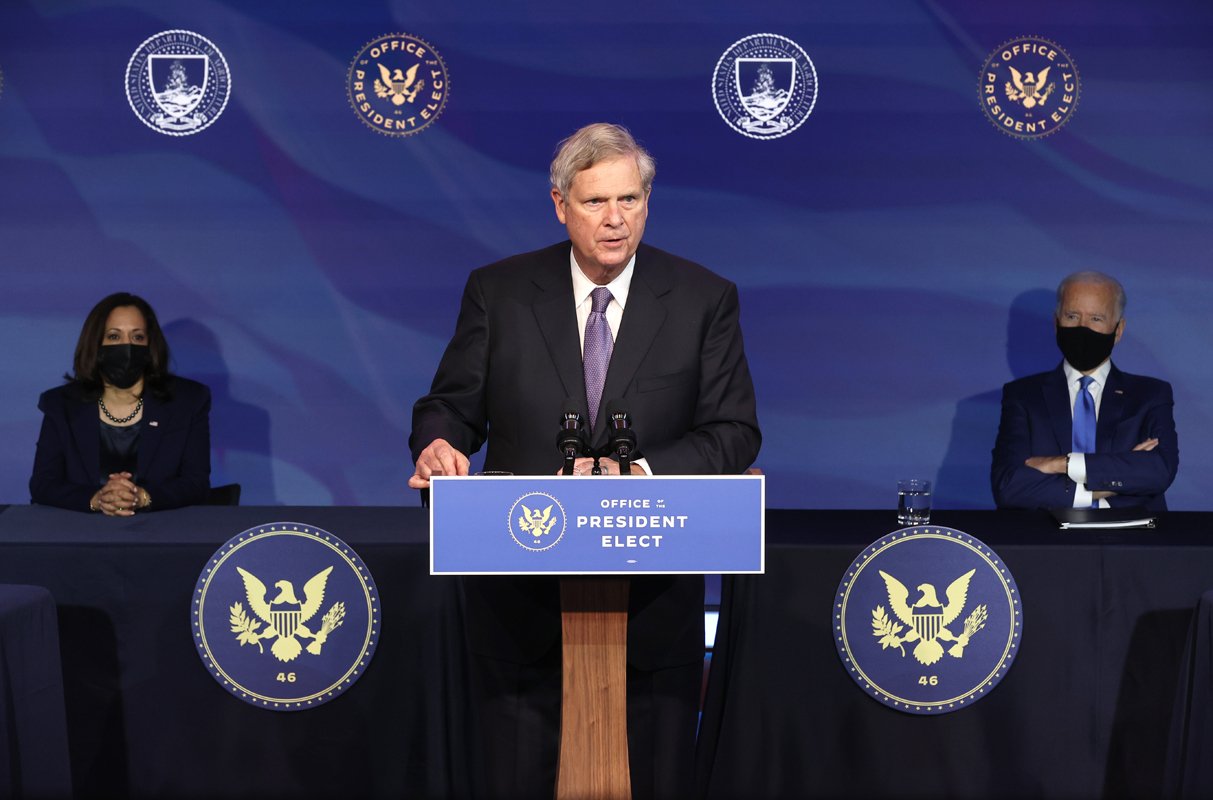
point(122, 365)
point(1084, 348)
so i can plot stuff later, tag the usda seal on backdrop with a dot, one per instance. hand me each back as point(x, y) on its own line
point(178, 82)
point(928, 620)
point(764, 86)
point(286, 616)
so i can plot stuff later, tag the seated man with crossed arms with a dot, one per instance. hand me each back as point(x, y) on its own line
point(1086, 434)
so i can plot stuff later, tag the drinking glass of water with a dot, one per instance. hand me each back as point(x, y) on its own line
point(914, 501)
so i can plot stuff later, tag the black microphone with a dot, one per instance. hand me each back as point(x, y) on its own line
point(571, 440)
point(623, 438)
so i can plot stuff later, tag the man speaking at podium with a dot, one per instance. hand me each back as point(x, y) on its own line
point(595, 319)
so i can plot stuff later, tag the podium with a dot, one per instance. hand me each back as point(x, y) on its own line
point(592, 532)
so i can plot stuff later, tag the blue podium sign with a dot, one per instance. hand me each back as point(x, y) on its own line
point(613, 525)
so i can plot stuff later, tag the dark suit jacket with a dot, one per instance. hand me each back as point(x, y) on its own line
point(679, 368)
point(1037, 421)
point(174, 463)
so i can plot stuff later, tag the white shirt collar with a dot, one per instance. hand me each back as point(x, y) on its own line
point(583, 286)
point(1100, 375)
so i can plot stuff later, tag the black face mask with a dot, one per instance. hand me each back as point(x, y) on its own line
point(1084, 348)
point(122, 365)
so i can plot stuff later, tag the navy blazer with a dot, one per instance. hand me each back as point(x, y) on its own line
point(678, 367)
point(174, 463)
point(1037, 421)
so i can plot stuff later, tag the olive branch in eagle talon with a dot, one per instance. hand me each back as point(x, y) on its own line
point(247, 628)
point(886, 629)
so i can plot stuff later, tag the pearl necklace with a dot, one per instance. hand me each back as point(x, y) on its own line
point(122, 420)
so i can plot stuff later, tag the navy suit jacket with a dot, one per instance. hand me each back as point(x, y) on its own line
point(1037, 421)
point(174, 462)
point(678, 367)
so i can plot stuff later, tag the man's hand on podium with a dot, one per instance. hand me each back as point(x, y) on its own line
point(438, 458)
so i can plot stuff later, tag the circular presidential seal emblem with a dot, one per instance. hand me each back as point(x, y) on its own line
point(398, 84)
point(285, 616)
point(927, 620)
point(178, 82)
point(764, 86)
point(537, 521)
point(1029, 87)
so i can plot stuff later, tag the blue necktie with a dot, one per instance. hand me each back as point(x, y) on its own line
point(596, 354)
point(1083, 437)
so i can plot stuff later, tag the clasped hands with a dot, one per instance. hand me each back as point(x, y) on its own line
point(119, 497)
point(441, 458)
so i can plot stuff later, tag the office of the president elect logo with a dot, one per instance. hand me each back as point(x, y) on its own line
point(398, 85)
point(927, 620)
point(1029, 87)
point(286, 616)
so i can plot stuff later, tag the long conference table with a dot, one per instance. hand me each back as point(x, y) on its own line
point(1086, 710)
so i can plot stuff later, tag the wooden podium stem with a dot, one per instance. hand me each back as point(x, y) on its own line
point(593, 715)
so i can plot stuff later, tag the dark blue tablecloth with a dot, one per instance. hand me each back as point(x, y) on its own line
point(1190, 759)
point(146, 719)
point(1084, 712)
point(33, 725)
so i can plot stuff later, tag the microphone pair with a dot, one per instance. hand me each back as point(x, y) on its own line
point(573, 440)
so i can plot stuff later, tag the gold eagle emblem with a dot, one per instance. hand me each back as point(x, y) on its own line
point(927, 620)
point(285, 616)
point(1029, 88)
point(399, 85)
point(536, 523)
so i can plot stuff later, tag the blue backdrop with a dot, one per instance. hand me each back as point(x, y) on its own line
point(896, 254)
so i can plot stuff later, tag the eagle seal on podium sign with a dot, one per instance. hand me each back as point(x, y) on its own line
point(928, 620)
point(286, 616)
point(536, 521)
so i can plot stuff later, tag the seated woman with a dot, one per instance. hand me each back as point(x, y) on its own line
point(123, 435)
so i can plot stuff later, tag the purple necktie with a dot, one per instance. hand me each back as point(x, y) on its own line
point(596, 354)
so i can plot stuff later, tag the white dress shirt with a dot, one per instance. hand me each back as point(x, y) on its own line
point(1076, 467)
point(583, 288)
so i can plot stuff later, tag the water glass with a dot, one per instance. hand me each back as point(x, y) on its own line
point(914, 501)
